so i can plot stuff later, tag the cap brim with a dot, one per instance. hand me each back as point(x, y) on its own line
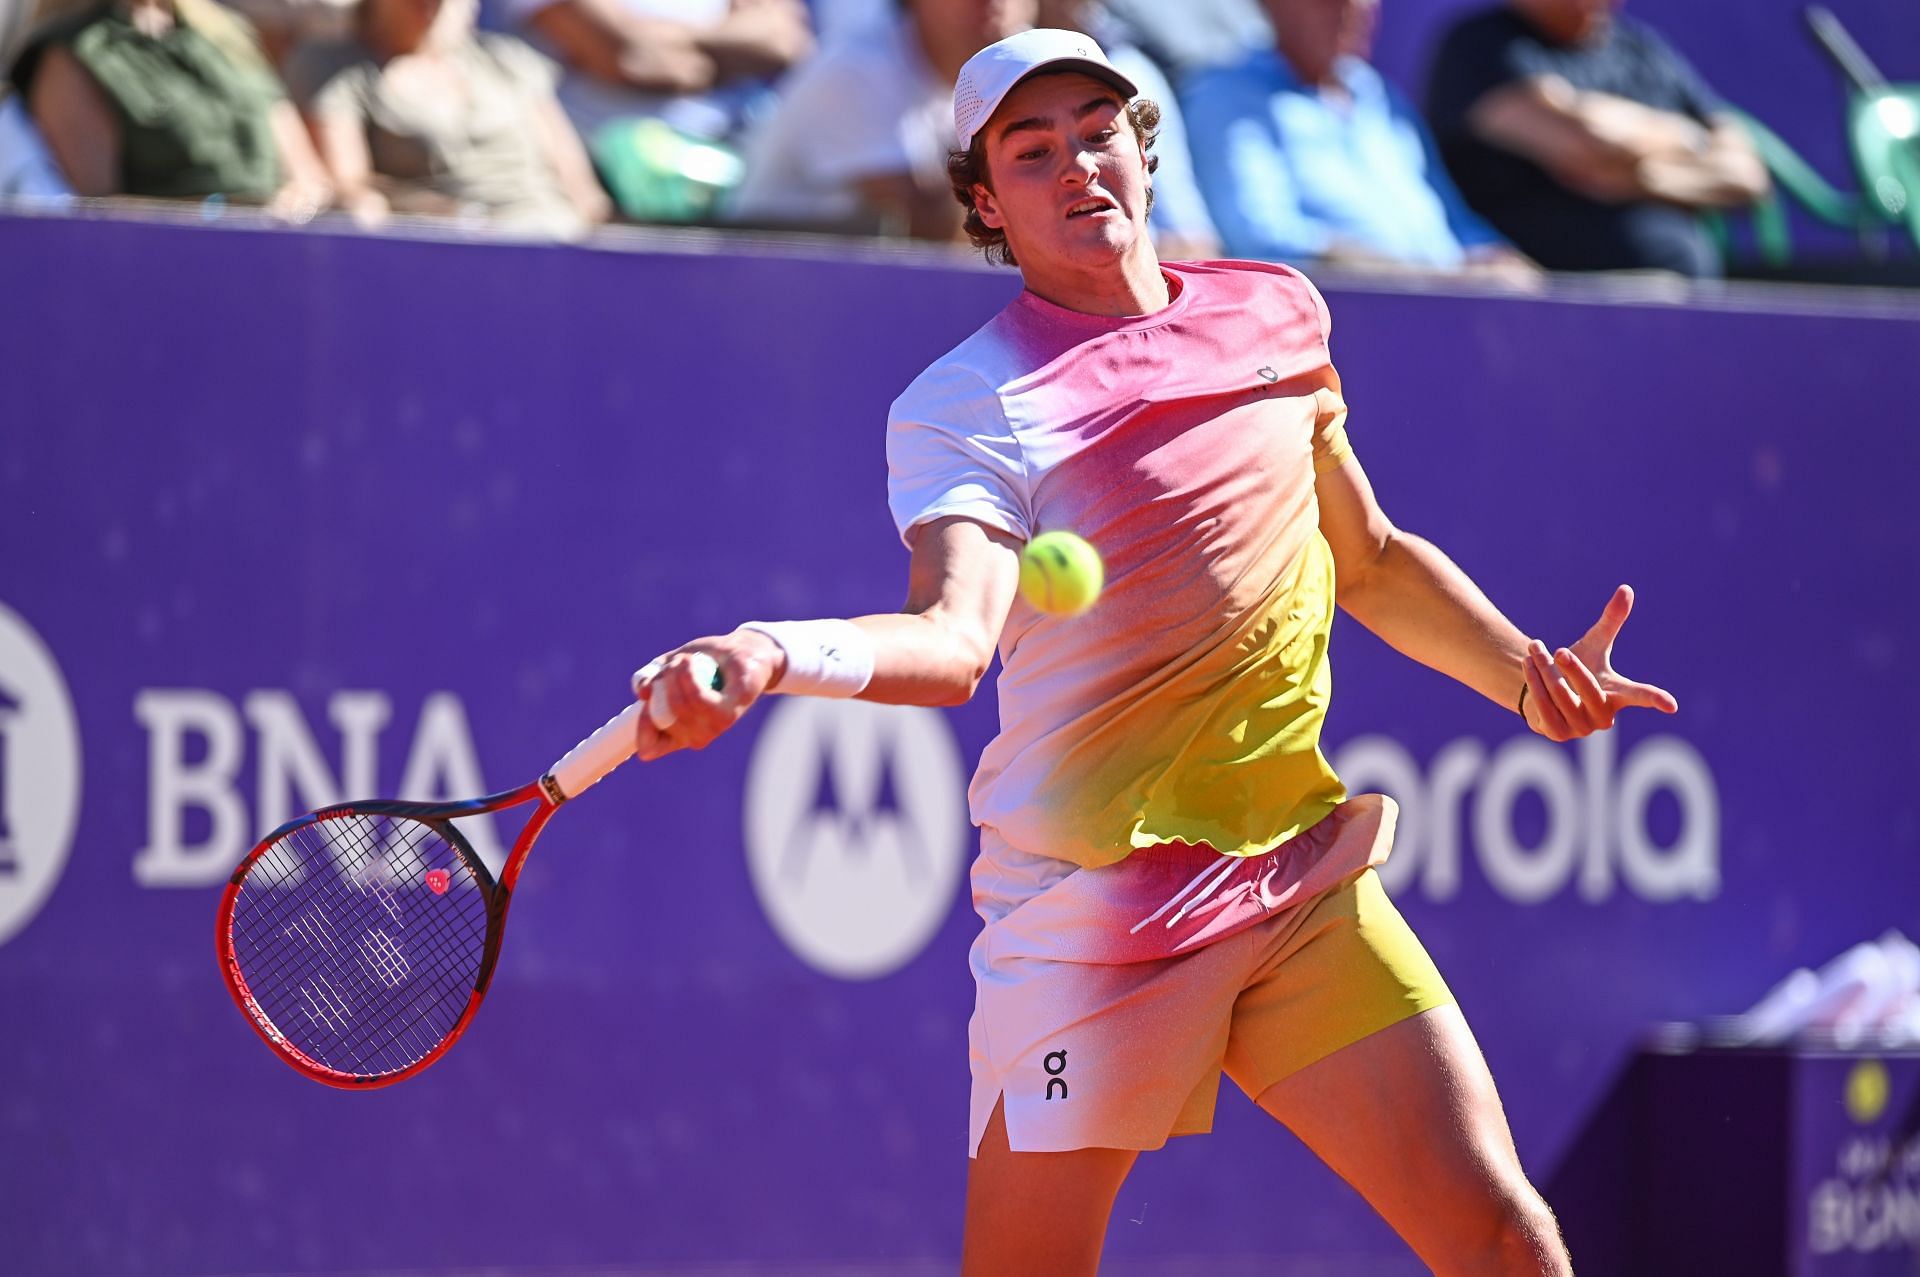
point(1097, 70)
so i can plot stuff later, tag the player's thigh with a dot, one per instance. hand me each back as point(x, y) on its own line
point(1409, 1116)
point(1038, 1212)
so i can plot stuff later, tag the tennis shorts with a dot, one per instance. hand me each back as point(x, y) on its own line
point(1109, 1001)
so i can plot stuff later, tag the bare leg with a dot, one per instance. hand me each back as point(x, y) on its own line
point(1038, 1212)
point(1410, 1118)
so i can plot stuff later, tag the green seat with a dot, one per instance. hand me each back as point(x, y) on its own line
point(1883, 130)
point(1884, 127)
point(656, 173)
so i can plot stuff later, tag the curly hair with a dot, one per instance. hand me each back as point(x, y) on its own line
point(967, 169)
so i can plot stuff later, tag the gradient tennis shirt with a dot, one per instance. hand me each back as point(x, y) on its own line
point(1186, 706)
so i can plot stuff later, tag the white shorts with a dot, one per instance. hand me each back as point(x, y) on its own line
point(1096, 1031)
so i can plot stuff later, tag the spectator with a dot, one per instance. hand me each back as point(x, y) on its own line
point(134, 100)
point(26, 167)
point(1181, 228)
point(861, 136)
point(418, 114)
point(282, 26)
point(1584, 137)
point(1304, 151)
point(697, 65)
point(1193, 34)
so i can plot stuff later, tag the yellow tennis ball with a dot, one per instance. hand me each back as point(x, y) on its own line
point(1060, 574)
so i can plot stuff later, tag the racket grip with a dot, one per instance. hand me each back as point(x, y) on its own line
point(584, 764)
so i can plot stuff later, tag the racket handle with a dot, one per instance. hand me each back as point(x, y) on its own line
point(584, 764)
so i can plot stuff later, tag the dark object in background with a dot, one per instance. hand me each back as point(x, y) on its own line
point(1882, 128)
point(1706, 1159)
point(1561, 228)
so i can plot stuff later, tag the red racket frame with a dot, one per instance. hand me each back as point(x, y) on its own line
point(499, 895)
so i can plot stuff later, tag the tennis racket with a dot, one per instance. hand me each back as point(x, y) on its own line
point(360, 939)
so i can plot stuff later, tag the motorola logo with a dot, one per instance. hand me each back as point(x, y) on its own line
point(1598, 801)
point(39, 773)
point(856, 828)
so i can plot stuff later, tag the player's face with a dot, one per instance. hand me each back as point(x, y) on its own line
point(1069, 178)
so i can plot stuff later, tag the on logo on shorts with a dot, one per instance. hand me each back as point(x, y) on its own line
point(1055, 1064)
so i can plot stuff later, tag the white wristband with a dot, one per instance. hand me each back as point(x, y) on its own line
point(824, 658)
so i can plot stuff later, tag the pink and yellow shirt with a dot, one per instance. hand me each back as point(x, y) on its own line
point(1186, 706)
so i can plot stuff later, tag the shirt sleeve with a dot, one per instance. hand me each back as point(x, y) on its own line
point(1241, 162)
point(1330, 445)
point(950, 452)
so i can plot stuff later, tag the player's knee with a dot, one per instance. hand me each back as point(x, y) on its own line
point(1517, 1237)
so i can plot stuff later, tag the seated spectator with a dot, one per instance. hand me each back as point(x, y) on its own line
point(1304, 151)
point(134, 99)
point(1586, 139)
point(27, 169)
point(1193, 34)
point(698, 65)
point(860, 138)
point(1182, 230)
point(418, 114)
point(281, 26)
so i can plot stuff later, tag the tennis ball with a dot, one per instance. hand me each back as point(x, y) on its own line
point(1060, 574)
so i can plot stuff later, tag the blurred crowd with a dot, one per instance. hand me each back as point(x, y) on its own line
point(1557, 134)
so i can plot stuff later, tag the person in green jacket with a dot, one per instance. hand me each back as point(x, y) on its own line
point(133, 100)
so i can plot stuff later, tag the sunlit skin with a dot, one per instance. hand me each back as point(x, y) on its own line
point(1068, 186)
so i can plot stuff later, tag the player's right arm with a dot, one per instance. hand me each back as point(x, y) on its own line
point(934, 651)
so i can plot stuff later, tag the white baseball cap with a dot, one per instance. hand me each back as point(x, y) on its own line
point(990, 74)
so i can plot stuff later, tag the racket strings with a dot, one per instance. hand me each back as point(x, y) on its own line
point(331, 973)
point(360, 938)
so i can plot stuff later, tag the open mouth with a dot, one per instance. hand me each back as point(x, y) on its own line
point(1091, 205)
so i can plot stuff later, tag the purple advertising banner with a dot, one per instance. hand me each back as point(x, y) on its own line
point(291, 518)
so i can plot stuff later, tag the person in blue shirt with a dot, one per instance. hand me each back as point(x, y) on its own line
point(1305, 152)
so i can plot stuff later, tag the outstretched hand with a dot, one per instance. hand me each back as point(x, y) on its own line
point(1574, 692)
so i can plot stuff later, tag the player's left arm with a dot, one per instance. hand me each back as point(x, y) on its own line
point(1403, 588)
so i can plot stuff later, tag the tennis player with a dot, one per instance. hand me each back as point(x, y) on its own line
point(1173, 882)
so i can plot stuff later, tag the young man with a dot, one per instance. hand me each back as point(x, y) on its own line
point(1172, 879)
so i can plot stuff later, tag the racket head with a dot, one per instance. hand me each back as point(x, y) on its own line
point(359, 940)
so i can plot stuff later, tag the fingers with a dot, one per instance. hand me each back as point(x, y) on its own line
point(1551, 721)
point(651, 742)
point(1594, 710)
point(681, 714)
point(1573, 700)
point(1644, 695)
point(1612, 617)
